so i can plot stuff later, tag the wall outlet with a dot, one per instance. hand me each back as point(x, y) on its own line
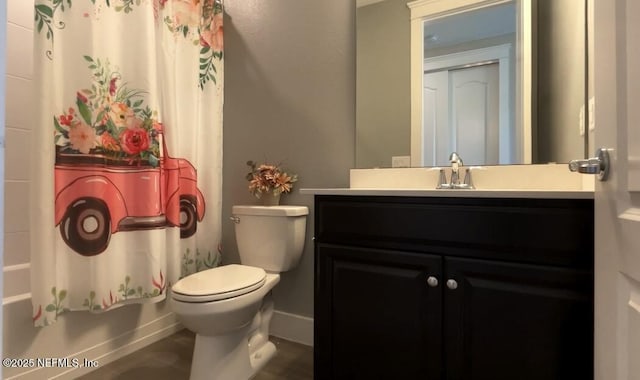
point(400, 161)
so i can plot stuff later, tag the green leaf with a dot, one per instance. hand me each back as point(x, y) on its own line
point(87, 58)
point(92, 294)
point(131, 292)
point(111, 127)
point(40, 25)
point(204, 50)
point(185, 31)
point(44, 9)
point(50, 308)
point(153, 161)
point(100, 115)
point(62, 295)
point(53, 291)
point(85, 112)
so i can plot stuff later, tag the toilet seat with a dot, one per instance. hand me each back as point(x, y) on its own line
point(219, 283)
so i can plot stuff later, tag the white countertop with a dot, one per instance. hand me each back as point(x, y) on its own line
point(501, 193)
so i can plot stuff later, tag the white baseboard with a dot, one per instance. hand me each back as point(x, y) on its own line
point(293, 327)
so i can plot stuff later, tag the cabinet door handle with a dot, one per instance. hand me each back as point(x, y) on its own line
point(452, 284)
point(432, 281)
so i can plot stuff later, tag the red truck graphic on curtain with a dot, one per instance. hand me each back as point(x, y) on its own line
point(97, 196)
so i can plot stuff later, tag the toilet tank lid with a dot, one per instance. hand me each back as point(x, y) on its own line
point(270, 210)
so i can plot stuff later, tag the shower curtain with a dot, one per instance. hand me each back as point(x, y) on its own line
point(126, 196)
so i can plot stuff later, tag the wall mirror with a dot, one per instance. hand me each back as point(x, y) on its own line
point(498, 81)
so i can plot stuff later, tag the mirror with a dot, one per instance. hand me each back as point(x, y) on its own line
point(500, 82)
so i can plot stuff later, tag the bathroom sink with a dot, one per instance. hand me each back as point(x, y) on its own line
point(540, 178)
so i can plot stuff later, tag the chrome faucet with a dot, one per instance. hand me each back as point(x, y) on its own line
point(456, 165)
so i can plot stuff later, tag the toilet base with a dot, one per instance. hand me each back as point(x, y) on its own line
point(237, 355)
point(227, 357)
point(262, 356)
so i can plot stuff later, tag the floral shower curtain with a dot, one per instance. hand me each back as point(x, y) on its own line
point(126, 194)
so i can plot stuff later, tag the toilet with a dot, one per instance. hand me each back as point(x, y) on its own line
point(230, 307)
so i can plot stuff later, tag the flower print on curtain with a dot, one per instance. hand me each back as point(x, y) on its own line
point(112, 173)
point(127, 195)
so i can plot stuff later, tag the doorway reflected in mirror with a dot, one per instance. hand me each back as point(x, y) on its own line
point(532, 113)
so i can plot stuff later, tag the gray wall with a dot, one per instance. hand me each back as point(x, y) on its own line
point(383, 83)
point(289, 97)
point(561, 79)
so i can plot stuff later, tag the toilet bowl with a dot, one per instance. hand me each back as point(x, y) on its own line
point(230, 307)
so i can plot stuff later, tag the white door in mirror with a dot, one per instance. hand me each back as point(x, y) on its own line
point(462, 114)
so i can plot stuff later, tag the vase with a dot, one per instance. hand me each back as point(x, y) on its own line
point(270, 199)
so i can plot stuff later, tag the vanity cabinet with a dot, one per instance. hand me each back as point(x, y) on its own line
point(453, 288)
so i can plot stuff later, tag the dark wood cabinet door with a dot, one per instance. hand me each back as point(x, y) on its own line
point(508, 321)
point(376, 315)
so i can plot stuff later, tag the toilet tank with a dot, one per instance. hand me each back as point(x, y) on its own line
point(270, 237)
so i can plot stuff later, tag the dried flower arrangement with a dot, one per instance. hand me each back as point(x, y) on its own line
point(269, 178)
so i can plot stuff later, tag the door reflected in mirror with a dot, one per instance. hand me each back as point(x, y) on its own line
point(469, 92)
point(500, 82)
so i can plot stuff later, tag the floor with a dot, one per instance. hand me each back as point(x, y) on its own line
point(170, 359)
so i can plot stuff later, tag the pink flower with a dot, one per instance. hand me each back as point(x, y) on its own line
point(157, 126)
point(187, 12)
point(112, 86)
point(123, 116)
point(82, 137)
point(213, 35)
point(66, 120)
point(134, 141)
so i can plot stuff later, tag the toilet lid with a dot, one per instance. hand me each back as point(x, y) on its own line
point(219, 283)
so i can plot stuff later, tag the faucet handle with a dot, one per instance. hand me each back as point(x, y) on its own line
point(468, 181)
point(442, 180)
